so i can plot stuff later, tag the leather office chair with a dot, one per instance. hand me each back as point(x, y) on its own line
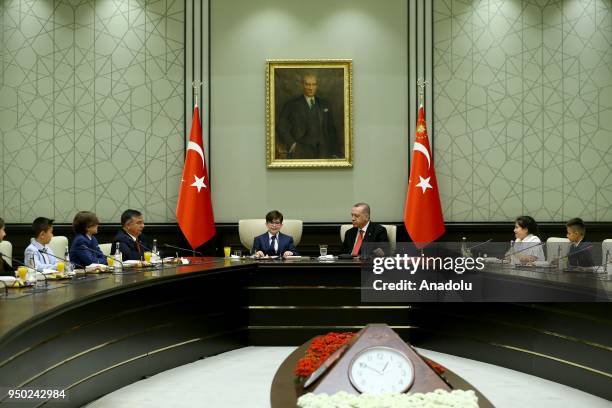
point(248, 229)
point(106, 249)
point(557, 247)
point(7, 251)
point(391, 234)
point(58, 245)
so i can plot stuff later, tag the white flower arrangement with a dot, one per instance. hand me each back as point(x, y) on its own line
point(435, 399)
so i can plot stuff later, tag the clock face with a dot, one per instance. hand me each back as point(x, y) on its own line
point(379, 370)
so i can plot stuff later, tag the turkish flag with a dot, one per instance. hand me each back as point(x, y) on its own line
point(194, 211)
point(423, 212)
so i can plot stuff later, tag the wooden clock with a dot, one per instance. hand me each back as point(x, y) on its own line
point(377, 361)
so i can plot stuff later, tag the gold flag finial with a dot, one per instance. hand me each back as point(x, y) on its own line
point(196, 90)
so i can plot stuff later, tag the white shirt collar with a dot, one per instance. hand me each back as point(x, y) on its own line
point(365, 228)
point(133, 237)
point(270, 235)
point(37, 244)
point(529, 238)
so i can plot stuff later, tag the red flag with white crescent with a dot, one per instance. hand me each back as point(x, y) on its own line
point(194, 211)
point(423, 213)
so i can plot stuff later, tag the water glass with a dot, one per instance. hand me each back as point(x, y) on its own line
point(323, 249)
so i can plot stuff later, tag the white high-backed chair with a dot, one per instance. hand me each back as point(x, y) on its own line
point(391, 234)
point(106, 249)
point(556, 246)
point(58, 245)
point(250, 228)
point(7, 251)
point(606, 246)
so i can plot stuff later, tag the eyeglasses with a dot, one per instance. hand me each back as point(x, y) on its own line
point(275, 223)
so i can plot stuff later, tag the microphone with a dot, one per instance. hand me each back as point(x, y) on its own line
point(529, 247)
point(57, 257)
point(17, 261)
point(482, 243)
point(150, 250)
point(42, 273)
point(607, 258)
point(95, 251)
point(183, 249)
point(576, 252)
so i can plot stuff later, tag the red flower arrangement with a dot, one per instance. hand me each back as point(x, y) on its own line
point(438, 368)
point(320, 349)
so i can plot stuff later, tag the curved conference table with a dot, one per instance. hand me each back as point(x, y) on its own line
point(95, 335)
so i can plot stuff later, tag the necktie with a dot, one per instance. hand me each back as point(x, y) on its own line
point(273, 244)
point(44, 252)
point(137, 245)
point(357, 246)
point(311, 102)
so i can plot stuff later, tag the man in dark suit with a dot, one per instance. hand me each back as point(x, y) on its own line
point(363, 231)
point(580, 251)
point(274, 242)
point(132, 243)
point(305, 126)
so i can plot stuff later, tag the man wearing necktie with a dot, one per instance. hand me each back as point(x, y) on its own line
point(363, 231)
point(132, 243)
point(305, 128)
point(274, 242)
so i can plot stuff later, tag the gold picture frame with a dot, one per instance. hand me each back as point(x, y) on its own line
point(309, 107)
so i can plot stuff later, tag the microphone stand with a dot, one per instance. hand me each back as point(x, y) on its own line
point(480, 244)
point(151, 251)
point(574, 253)
point(17, 261)
point(58, 257)
point(100, 253)
point(5, 288)
point(183, 249)
point(529, 247)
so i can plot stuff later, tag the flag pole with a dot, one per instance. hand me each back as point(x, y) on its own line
point(196, 93)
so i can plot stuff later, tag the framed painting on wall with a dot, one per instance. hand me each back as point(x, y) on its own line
point(308, 113)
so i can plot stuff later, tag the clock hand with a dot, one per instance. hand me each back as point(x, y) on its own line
point(385, 367)
point(373, 369)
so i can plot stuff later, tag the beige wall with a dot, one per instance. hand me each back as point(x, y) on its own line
point(243, 35)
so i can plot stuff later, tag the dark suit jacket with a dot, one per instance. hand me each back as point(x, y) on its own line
point(374, 233)
point(6, 270)
point(83, 257)
point(127, 246)
point(312, 130)
point(285, 243)
point(583, 258)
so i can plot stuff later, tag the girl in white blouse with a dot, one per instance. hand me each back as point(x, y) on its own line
point(526, 246)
